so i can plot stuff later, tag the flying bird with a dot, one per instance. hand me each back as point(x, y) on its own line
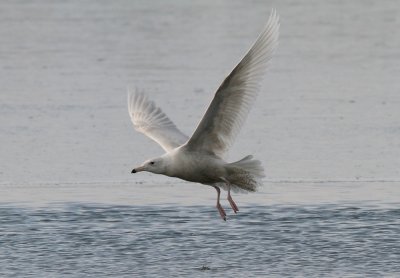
point(200, 158)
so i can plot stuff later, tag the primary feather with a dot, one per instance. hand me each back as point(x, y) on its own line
point(232, 102)
point(148, 119)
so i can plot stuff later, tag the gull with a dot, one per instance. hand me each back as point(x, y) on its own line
point(200, 158)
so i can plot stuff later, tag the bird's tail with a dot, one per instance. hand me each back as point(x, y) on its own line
point(245, 174)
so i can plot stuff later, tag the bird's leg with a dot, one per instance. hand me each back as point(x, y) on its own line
point(231, 202)
point(219, 207)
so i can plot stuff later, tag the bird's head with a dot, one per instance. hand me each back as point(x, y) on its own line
point(155, 165)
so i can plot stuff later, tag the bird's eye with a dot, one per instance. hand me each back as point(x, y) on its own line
point(151, 162)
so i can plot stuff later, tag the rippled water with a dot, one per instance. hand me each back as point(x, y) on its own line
point(325, 126)
point(75, 240)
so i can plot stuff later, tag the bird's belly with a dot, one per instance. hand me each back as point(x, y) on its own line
point(207, 173)
point(199, 178)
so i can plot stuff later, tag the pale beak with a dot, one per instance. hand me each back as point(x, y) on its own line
point(138, 169)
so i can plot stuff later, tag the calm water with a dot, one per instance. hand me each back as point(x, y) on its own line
point(77, 240)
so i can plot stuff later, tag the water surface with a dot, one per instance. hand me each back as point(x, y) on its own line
point(325, 126)
point(76, 240)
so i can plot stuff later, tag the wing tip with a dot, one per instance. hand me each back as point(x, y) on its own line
point(272, 27)
point(137, 99)
point(274, 16)
point(268, 40)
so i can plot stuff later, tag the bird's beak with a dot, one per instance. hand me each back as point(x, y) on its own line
point(137, 169)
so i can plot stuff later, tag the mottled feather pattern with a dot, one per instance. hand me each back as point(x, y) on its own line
point(245, 174)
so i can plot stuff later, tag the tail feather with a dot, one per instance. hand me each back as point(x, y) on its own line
point(245, 174)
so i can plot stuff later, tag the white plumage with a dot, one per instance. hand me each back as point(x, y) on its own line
point(148, 119)
point(199, 158)
point(234, 98)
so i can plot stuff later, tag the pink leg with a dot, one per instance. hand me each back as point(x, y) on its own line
point(219, 207)
point(231, 202)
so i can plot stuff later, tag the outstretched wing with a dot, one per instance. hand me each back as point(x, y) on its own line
point(232, 101)
point(148, 119)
